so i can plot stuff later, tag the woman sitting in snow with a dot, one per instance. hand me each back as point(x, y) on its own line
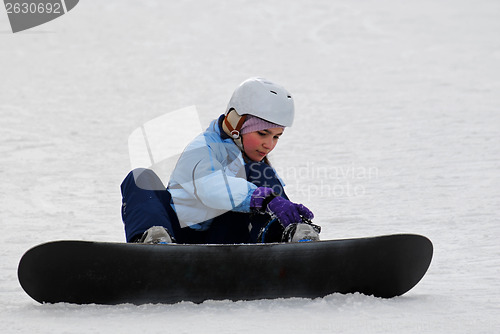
point(223, 189)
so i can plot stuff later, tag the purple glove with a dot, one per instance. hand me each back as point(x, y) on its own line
point(265, 200)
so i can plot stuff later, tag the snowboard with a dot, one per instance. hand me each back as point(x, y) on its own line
point(84, 272)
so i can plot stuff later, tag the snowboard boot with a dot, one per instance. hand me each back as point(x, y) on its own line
point(156, 235)
point(303, 232)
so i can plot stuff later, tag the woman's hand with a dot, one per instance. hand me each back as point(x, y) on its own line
point(287, 212)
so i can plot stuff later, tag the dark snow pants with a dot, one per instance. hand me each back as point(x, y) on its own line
point(146, 203)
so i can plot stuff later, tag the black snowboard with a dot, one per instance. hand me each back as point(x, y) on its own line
point(111, 273)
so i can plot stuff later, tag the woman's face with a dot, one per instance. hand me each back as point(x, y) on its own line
point(258, 144)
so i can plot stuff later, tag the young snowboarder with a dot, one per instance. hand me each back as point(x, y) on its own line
point(223, 189)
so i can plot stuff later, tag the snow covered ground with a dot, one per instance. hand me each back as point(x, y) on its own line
point(397, 130)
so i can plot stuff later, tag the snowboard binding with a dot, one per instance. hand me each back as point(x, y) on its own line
point(157, 235)
point(301, 232)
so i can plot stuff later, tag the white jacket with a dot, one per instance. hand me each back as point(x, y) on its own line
point(209, 180)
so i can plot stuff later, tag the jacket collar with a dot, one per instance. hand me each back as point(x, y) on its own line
point(221, 132)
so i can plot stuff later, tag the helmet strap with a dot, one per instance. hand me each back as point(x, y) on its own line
point(233, 132)
point(232, 117)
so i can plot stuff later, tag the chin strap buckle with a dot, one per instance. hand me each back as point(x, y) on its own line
point(235, 134)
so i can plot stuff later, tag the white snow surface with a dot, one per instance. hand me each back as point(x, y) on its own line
point(397, 130)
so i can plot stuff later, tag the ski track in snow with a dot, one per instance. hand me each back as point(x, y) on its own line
point(397, 130)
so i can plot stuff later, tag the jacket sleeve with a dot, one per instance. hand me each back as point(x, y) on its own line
point(214, 177)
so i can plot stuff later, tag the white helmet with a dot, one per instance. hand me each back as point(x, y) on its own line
point(262, 98)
